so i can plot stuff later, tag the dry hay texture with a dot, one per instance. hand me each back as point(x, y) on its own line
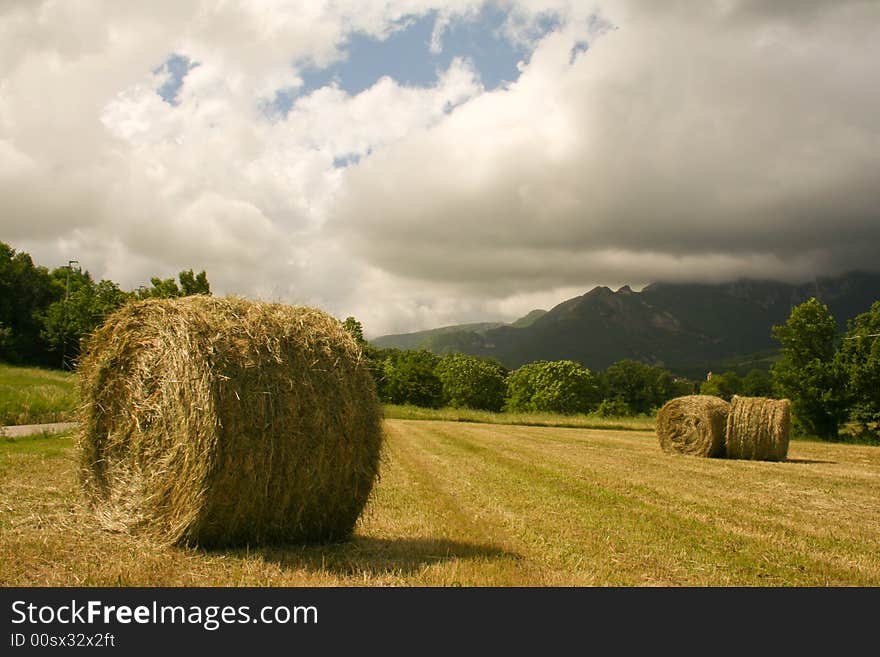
point(758, 428)
point(221, 421)
point(694, 425)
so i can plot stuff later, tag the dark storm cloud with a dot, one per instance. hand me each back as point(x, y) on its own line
point(732, 139)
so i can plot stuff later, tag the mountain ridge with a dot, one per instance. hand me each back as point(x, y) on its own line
point(677, 325)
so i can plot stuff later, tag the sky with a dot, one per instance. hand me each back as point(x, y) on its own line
point(417, 164)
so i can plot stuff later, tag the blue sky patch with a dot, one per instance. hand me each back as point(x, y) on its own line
point(406, 54)
point(342, 161)
point(175, 67)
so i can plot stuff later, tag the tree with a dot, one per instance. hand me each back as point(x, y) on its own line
point(722, 385)
point(471, 382)
point(410, 379)
point(757, 383)
point(521, 387)
point(613, 408)
point(561, 386)
point(355, 329)
point(193, 283)
point(167, 288)
point(380, 361)
point(25, 292)
point(69, 321)
point(564, 386)
point(642, 387)
point(808, 372)
point(859, 356)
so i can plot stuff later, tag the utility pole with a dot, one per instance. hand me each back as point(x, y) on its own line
point(70, 264)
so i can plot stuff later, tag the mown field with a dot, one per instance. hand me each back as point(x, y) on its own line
point(497, 505)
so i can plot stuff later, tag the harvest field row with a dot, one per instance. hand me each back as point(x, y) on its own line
point(494, 505)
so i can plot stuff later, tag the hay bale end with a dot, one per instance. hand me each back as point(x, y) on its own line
point(693, 424)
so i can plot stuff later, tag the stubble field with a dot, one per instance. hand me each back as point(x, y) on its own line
point(496, 505)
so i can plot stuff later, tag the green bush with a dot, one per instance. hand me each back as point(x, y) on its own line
point(614, 408)
point(561, 386)
point(521, 387)
point(471, 382)
point(410, 379)
point(642, 387)
point(722, 385)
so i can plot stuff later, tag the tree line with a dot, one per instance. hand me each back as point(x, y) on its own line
point(422, 378)
point(830, 379)
point(44, 314)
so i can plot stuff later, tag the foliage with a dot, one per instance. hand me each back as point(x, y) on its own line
point(722, 385)
point(613, 408)
point(193, 283)
point(471, 382)
point(44, 315)
point(355, 329)
point(757, 383)
point(860, 357)
point(561, 386)
point(69, 321)
point(409, 378)
point(808, 372)
point(24, 290)
point(642, 387)
point(167, 288)
point(521, 387)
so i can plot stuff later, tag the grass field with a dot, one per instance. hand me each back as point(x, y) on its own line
point(482, 504)
point(29, 395)
point(580, 421)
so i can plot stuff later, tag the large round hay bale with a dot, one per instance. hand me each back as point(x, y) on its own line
point(693, 424)
point(758, 428)
point(221, 421)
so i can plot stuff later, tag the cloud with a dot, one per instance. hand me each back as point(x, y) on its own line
point(684, 141)
point(729, 143)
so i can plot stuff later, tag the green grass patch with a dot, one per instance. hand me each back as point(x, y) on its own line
point(38, 444)
point(636, 423)
point(30, 395)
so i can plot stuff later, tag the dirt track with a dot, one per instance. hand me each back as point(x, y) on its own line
point(17, 431)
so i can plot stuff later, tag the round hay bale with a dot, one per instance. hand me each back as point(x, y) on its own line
point(758, 428)
point(221, 421)
point(693, 424)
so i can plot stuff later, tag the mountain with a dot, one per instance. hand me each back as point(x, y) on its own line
point(683, 326)
point(528, 320)
point(424, 339)
point(444, 339)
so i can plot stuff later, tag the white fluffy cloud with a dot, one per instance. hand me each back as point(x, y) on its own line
point(694, 140)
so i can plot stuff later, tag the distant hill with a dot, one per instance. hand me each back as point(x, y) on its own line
point(447, 339)
point(683, 326)
point(423, 339)
point(529, 319)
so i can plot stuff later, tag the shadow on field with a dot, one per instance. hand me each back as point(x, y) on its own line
point(809, 461)
point(364, 554)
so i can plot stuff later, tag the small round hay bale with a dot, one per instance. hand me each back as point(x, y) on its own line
point(693, 424)
point(221, 421)
point(758, 428)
